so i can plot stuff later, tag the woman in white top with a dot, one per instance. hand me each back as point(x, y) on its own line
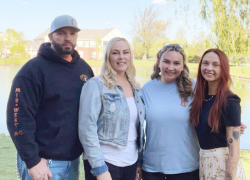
point(111, 117)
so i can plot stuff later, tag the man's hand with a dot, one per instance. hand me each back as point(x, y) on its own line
point(40, 171)
point(138, 173)
point(242, 128)
point(104, 176)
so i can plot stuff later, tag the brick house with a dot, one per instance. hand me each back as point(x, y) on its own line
point(90, 42)
point(32, 48)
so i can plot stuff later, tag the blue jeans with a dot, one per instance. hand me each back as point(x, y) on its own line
point(61, 170)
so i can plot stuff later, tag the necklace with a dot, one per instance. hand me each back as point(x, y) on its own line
point(208, 99)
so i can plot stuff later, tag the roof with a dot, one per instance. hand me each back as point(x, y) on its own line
point(89, 34)
point(33, 45)
point(42, 35)
point(92, 33)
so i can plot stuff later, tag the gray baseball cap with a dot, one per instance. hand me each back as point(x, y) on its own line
point(63, 21)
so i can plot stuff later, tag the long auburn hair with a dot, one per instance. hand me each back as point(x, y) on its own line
point(223, 90)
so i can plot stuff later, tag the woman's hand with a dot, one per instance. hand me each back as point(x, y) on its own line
point(104, 176)
point(242, 128)
point(138, 173)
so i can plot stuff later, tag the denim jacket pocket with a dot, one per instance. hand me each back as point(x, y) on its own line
point(111, 103)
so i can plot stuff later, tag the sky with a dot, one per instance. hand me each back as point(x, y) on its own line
point(32, 17)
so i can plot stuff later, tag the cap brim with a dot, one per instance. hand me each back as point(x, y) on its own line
point(77, 29)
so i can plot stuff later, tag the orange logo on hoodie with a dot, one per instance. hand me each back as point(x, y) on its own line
point(84, 77)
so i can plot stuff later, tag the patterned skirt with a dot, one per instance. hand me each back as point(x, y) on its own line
point(213, 165)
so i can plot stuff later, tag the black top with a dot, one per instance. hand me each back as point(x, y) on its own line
point(231, 116)
point(42, 112)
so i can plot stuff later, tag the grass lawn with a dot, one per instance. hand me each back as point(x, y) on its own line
point(13, 61)
point(240, 71)
point(8, 160)
point(141, 63)
point(20, 61)
point(245, 159)
point(8, 169)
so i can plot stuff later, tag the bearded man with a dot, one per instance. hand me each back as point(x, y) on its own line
point(42, 112)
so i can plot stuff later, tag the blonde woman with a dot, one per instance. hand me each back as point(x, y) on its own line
point(111, 117)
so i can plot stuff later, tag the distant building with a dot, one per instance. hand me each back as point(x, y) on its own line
point(90, 42)
point(32, 48)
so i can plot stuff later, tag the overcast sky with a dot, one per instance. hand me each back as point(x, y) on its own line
point(32, 17)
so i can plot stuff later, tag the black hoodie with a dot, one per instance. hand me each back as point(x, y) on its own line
point(42, 112)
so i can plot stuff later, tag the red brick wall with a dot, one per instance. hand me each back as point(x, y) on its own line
point(87, 52)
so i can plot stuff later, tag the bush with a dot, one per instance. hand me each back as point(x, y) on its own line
point(193, 59)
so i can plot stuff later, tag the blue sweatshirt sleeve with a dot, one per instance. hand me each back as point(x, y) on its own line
point(22, 107)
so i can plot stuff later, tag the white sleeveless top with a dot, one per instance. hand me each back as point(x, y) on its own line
point(128, 156)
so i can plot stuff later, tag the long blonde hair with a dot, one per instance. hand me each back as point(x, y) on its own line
point(108, 74)
point(183, 82)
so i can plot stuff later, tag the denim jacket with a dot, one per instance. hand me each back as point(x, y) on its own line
point(104, 118)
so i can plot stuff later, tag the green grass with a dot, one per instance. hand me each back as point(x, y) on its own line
point(8, 169)
point(137, 63)
point(240, 71)
point(8, 160)
point(13, 61)
point(245, 159)
point(20, 61)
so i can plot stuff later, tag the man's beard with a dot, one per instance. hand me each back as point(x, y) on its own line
point(59, 48)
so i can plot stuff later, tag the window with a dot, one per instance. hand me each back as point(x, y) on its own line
point(86, 43)
point(80, 53)
point(94, 55)
point(80, 43)
point(92, 44)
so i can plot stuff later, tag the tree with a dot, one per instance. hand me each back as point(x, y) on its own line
point(99, 47)
point(147, 30)
point(180, 36)
point(138, 49)
point(1, 46)
point(197, 47)
point(230, 20)
point(13, 41)
point(156, 47)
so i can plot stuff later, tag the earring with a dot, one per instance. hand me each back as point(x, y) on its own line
point(159, 71)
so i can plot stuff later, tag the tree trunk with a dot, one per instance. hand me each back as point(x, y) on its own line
point(144, 57)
